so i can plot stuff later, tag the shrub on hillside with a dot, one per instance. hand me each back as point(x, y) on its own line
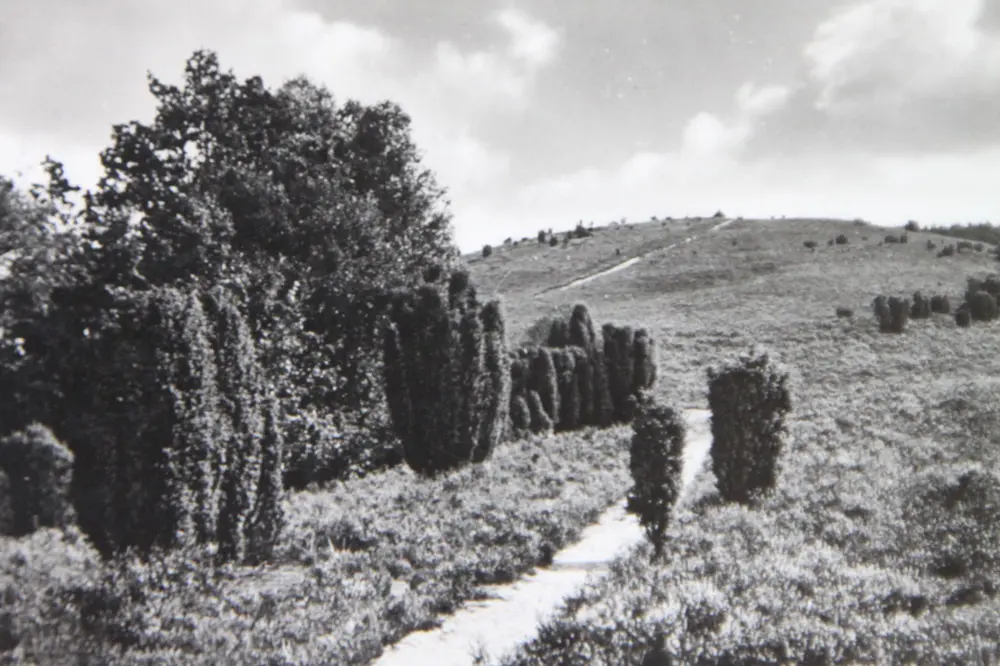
point(38, 470)
point(963, 246)
point(441, 396)
point(845, 313)
point(553, 241)
point(569, 391)
point(963, 316)
point(880, 308)
point(947, 251)
point(596, 406)
point(749, 399)
point(912, 225)
point(931, 245)
point(719, 215)
point(982, 306)
point(904, 238)
point(541, 422)
point(581, 231)
point(891, 238)
point(541, 236)
point(655, 461)
point(841, 239)
point(899, 311)
point(940, 304)
point(487, 251)
point(921, 308)
point(810, 244)
point(630, 359)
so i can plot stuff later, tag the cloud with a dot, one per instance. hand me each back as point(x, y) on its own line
point(896, 76)
point(71, 83)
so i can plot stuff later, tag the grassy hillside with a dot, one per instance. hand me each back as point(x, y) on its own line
point(367, 560)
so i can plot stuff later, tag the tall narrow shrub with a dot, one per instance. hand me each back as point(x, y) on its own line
point(749, 399)
point(438, 386)
point(597, 409)
point(544, 382)
point(569, 390)
point(541, 423)
point(38, 469)
point(237, 459)
point(921, 308)
point(493, 425)
point(655, 461)
point(267, 519)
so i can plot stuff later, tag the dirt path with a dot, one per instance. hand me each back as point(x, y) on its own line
point(496, 626)
point(634, 260)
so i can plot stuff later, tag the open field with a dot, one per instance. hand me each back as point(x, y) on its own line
point(820, 570)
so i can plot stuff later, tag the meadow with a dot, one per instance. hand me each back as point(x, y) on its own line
point(878, 546)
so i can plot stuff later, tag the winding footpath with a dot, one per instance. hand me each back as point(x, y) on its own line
point(512, 614)
point(634, 260)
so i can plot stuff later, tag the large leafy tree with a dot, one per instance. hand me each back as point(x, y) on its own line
point(312, 208)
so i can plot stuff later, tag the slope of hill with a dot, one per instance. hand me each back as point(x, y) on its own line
point(368, 560)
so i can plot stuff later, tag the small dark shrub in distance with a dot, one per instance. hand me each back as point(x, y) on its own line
point(487, 251)
point(719, 215)
point(553, 241)
point(829, 243)
point(947, 251)
point(931, 245)
point(841, 239)
point(39, 470)
point(963, 316)
point(904, 238)
point(749, 399)
point(810, 244)
point(982, 306)
point(542, 237)
point(921, 308)
point(655, 460)
point(912, 225)
point(899, 311)
point(940, 304)
point(845, 313)
point(880, 308)
point(891, 238)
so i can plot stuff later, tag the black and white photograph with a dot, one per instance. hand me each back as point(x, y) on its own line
point(499, 332)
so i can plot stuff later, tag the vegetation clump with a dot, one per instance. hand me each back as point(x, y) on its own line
point(445, 365)
point(37, 470)
point(749, 399)
point(655, 461)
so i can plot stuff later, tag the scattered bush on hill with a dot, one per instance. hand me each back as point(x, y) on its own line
point(845, 313)
point(963, 316)
point(749, 399)
point(656, 461)
point(841, 239)
point(940, 304)
point(947, 251)
point(810, 244)
point(38, 470)
point(487, 251)
point(921, 308)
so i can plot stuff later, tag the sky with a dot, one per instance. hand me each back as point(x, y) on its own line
point(545, 113)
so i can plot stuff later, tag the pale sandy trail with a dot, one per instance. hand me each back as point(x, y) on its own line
point(498, 625)
point(634, 260)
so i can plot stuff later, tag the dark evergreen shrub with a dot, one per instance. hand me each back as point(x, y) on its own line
point(7, 517)
point(963, 316)
point(569, 390)
point(982, 306)
point(620, 363)
point(940, 304)
point(841, 239)
point(899, 311)
point(890, 238)
point(947, 251)
point(904, 238)
point(241, 385)
point(494, 422)
point(845, 313)
point(645, 372)
point(880, 307)
point(267, 519)
point(921, 308)
point(543, 381)
point(553, 241)
point(931, 245)
point(596, 406)
point(656, 462)
point(487, 251)
point(540, 421)
point(749, 399)
point(912, 225)
point(438, 387)
point(520, 416)
point(38, 470)
point(810, 244)
point(558, 334)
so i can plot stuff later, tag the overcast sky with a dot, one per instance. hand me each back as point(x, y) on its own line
point(538, 114)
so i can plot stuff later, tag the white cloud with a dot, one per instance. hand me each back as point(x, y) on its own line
point(532, 41)
point(908, 67)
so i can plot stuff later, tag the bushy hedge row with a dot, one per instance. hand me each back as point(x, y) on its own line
point(174, 441)
point(447, 374)
point(579, 379)
point(35, 474)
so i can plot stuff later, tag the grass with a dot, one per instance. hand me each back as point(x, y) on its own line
point(367, 560)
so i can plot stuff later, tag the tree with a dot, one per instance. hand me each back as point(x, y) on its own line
point(312, 209)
